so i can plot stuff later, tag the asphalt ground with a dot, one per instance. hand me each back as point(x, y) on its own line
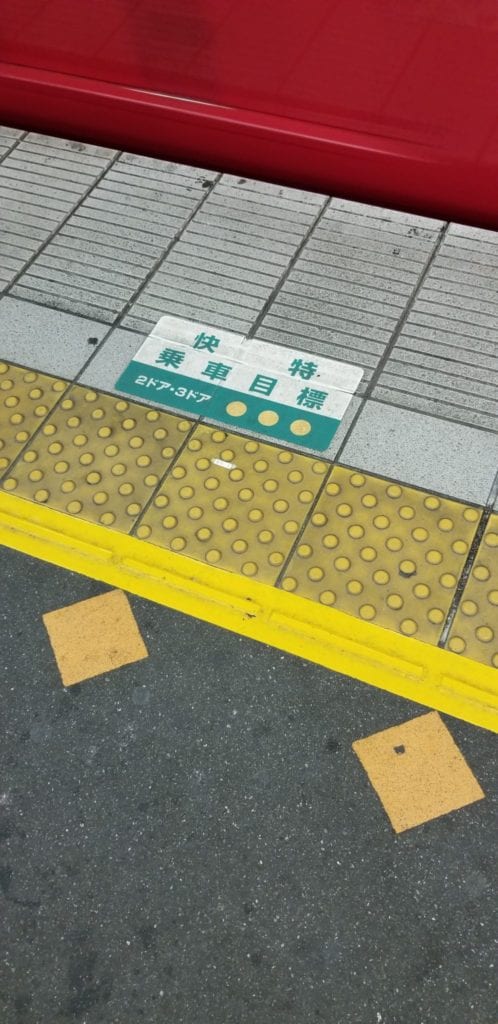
point(191, 838)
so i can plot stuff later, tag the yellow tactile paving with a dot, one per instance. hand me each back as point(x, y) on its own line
point(98, 457)
point(234, 502)
point(26, 398)
point(383, 552)
point(475, 629)
point(94, 636)
point(417, 771)
point(121, 492)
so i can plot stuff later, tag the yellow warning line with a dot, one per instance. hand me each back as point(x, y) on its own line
point(348, 570)
point(391, 661)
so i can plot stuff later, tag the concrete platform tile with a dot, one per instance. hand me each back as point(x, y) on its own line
point(46, 340)
point(423, 451)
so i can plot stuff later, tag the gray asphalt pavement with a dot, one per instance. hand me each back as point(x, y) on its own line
point(191, 839)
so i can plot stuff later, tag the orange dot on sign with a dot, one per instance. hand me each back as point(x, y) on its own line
point(300, 428)
point(236, 409)
point(268, 418)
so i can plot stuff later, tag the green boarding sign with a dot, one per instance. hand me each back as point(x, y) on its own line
point(247, 384)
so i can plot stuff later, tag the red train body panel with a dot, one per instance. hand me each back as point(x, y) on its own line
point(378, 100)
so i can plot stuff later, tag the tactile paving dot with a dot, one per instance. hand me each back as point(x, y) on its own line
point(385, 553)
point(26, 398)
point(234, 502)
point(474, 632)
point(98, 457)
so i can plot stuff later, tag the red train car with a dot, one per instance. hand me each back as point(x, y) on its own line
point(388, 102)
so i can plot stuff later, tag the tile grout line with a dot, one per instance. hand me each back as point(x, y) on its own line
point(117, 322)
point(406, 483)
point(464, 576)
point(284, 275)
point(351, 427)
point(390, 345)
point(155, 491)
point(469, 564)
point(445, 419)
point(74, 313)
point(63, 222)
point(452, 389)
point(459, 349)
point(13, 146)
point(406, 312)
point(290, 266)
point(307, 519)
point(493, 494)
point(392, 405)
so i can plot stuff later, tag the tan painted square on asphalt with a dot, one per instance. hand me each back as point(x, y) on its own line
point(94, 636)
point(417, 771)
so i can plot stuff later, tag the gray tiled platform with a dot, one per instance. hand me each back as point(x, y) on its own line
point(111, 359)
point(106, 249)
point(8, 139)
point(231, 256)
point(349, 288)
point(453, 459)
point(46, 339)
point(100, 245)
point(445, 360)
point(41, 181)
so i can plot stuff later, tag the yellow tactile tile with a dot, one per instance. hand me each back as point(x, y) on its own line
point(26, 398)
point(386, 553)
point(417, 771)
point(94, 636)
point(98, 457)
point(475, 629)
point(234, 502)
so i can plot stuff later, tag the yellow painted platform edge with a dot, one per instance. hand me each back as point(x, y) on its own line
point(343, 643)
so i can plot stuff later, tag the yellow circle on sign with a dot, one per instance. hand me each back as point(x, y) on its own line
point(300, 428)
point(268, 418)
point(236, 408)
